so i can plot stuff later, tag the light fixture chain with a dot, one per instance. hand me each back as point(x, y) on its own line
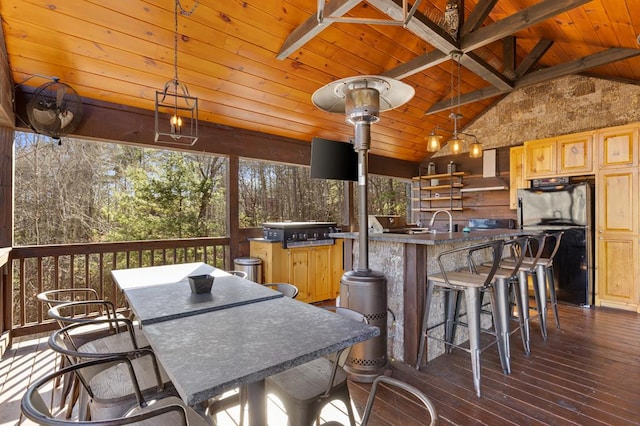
point(185, 12)
point(175, 42)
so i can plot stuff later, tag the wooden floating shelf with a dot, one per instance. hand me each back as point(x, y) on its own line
point(455, 209)
point(488, 188)
point(438, 176)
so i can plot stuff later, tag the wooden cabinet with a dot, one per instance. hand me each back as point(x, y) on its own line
point(618, 147)
point(569, 155)
point(315, 270)
point(617, 225)
point(617, 201)
point(618, 284)
point(274, 260)
point(516, 174)
point(436, 192)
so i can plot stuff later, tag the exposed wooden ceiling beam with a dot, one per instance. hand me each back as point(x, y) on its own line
point(467, 98)
point(517, 22)
point(533, 57)
point(419, 25)
point(311, 27)
point(482, 69)
point(434, 35)
point(577, 65)
point(417, 64)
point(477, 16)
point(573, 67)
point(509, 56)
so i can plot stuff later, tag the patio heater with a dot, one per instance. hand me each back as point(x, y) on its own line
point(361, 99)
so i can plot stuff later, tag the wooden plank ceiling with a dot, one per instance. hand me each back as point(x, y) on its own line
point(121, 51)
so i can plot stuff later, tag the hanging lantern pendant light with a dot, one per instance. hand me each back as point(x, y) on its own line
point(176, 111)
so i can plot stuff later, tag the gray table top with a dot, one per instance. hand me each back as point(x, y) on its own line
point(208, 354)
point(164, 274)
point(171, 296)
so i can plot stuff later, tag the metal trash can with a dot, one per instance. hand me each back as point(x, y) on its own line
point(252, 266)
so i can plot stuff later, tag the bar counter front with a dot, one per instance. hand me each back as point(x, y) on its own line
point(406, 260)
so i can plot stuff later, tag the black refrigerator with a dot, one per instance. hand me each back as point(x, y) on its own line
point(553, 206)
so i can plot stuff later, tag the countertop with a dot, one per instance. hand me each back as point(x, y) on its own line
point(434, 239)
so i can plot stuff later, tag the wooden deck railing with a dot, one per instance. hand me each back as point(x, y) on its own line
point(39, 268)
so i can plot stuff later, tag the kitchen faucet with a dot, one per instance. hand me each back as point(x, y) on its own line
point(433, 218)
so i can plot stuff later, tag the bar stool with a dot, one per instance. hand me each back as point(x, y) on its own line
point(542, 269)
point(507, 280)
point(472, 284)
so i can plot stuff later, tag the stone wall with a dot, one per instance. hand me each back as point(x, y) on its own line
point(567, 105)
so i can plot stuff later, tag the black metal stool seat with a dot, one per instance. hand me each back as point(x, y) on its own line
point(472, 285)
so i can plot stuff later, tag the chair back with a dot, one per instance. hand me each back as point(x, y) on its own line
point(55, 297)
point(389, 381)
point(35, 409)
point(517, 250)
point(289, 290)
point(553, 238)
point(535, 248)
point(70, 338)
point(241, 274)
point(80, 311)
point(476, 256)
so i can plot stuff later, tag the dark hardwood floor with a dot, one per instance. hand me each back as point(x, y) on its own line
point(586, 373)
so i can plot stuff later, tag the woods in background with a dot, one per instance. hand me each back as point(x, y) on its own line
point(88, 191)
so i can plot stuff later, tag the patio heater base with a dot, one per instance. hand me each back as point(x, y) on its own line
point(366, 292)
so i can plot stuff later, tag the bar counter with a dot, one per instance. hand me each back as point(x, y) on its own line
point(406, 260)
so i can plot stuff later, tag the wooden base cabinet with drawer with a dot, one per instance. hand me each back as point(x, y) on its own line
point(315, 270)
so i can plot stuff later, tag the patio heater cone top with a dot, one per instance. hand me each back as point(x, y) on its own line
point(391, 93)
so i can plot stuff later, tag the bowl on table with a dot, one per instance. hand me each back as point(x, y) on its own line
point(200, 284)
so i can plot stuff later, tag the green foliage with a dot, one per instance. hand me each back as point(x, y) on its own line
point(170, 195)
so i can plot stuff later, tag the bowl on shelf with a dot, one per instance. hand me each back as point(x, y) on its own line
point(200, 284)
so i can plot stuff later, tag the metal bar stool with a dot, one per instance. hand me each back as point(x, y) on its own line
point(471, 283)
point(507, 282)
point(542, 268)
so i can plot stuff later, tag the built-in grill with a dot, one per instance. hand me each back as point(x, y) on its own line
point(298, 234)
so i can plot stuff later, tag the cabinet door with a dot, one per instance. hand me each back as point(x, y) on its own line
point(299, 272)
point(516, 174)
point(575, 154)
point(617, 201)
point(540, 158)
point(617, 272)
point(618, 147)
point(321, 273)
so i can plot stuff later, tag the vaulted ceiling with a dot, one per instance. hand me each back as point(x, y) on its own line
point(254, 64)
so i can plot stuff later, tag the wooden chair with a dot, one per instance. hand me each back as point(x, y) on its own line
point(164, 411)
point(306, 389)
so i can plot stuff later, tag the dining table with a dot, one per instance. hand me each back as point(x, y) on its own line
point(213, 350)
point(160, 293)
